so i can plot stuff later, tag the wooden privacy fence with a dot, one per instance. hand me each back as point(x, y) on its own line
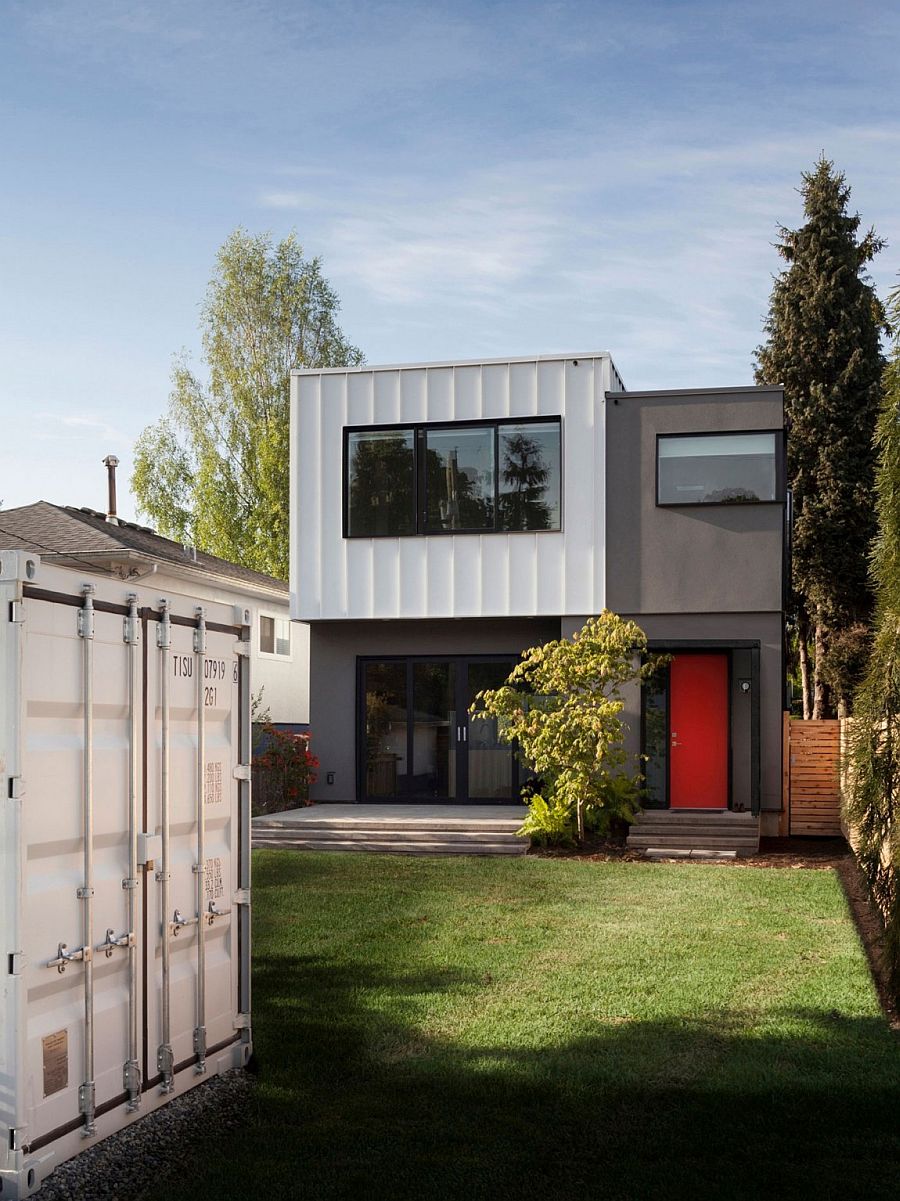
point(812, 777)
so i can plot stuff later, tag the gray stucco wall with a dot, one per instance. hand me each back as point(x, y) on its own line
point(689, 558)
point(333, 650)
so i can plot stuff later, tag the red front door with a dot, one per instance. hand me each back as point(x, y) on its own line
point(698, 731)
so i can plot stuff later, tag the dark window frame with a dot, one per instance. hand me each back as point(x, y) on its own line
point(780, 469)
point(419, 430)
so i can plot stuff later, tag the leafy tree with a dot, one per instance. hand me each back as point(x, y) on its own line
point(824, 327)
point(562, 704)
point(872, 792)
point(214, 470)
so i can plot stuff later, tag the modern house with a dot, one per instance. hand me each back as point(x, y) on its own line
point(450, 515)
point(102, 543)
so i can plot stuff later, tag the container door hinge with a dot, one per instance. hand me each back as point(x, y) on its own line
point(16, 963)
point(17, 1138)
point(16, 787)
point(17, 612)
point(241, 1021)
point(242, 896)
point(242, 771)
point(242, 648)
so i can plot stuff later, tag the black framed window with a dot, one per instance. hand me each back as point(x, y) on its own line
point(380, 474)
point(465, 477)
point(718, 469)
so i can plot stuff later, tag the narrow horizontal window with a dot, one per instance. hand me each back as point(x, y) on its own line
point(467, 477)
point(381, 490)
point(717, 469)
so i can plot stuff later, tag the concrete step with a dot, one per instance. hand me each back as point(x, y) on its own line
point(392, 846)
point(747, 846)
point(440, 824)
point(687, 817)
point(687, 853)
point(378, 832)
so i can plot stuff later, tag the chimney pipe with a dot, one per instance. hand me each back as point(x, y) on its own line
point(111, 463)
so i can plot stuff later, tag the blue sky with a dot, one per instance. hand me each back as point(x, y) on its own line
point(479, 178)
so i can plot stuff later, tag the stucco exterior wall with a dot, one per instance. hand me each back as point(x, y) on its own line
point(687, 558)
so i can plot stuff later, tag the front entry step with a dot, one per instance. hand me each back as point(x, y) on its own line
point(694, 833)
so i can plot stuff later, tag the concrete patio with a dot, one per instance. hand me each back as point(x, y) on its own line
point(395, 829)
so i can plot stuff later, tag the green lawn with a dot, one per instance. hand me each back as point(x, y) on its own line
point(538, 1028)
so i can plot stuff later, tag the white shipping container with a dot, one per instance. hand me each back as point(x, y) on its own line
point(124, 855)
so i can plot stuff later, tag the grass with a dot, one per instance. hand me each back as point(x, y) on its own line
point(476, 1028)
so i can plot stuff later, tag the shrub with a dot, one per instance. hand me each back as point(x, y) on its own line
point(562, 704)
point(283, 770)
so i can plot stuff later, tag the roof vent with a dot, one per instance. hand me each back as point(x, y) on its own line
point(111, 463)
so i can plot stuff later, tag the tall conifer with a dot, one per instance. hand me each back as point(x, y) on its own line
point(823, 345)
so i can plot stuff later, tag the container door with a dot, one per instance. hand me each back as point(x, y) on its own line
point(192, 919)
point(79, 933)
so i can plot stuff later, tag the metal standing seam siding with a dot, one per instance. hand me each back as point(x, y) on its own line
point(125, 967)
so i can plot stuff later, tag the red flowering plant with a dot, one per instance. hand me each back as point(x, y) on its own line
point(283, 770)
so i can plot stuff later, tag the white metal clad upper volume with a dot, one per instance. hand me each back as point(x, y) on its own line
point(450, 574)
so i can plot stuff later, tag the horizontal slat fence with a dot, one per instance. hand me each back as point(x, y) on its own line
point(814, 780)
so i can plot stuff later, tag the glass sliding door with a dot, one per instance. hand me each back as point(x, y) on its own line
point(490, 766)
point(434, 739)
point(385, 729)
point(418, 742)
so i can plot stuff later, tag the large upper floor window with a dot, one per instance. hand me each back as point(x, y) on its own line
point(478, 477)
point(718, 469)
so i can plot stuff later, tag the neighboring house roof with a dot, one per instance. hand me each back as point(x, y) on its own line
point(89, 538)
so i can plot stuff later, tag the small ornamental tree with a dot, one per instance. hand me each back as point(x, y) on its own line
point(562, 704)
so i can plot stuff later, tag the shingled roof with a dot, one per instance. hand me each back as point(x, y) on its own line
point(87, 536)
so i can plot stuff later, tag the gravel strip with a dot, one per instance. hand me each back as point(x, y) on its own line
point(125, 1165)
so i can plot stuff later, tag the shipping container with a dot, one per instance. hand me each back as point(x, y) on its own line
point(124, 855)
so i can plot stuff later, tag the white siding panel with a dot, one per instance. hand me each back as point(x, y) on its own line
point(523, 391)
point(413, 396)
point(579, 517)
point(438, 555)
point(447, 576)
point(551, 384)
point(496, 601)
point(440, 394)
point(495, 389)
point(386, 578)
point(333, 410)
point(467, 394)
point(387, 397)
point(306, 519)
point(360, 399)
point(521, 568)
point(413, 583)
point(467, 556)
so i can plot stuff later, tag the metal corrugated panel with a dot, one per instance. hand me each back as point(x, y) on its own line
point(461, 575)
point(122, 724)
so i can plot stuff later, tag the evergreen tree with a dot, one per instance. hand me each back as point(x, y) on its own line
point(214, 471)
point(824, 328)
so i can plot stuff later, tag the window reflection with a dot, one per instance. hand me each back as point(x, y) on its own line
point(381, 482)
point(529, 476)
point(717, 469)
point(459, 478)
